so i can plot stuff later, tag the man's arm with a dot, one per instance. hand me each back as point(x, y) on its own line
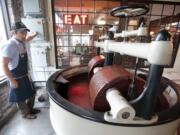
point(30, 37)
point(13, 82)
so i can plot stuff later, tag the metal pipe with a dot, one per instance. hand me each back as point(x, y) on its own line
point(145, 103)
point(156, 52)
point(98, 51)
point(141, 31)
point(109, 55)
point(108, 58)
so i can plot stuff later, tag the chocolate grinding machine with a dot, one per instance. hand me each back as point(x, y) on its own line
point(94, 100)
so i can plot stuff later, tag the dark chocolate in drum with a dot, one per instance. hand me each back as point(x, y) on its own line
point(110, 77)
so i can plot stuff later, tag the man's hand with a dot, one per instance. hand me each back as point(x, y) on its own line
point(34, 34)
point(30, 37)
point(13, 83)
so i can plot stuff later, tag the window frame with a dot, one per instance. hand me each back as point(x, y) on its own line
point(6, 21)
point(149, 15)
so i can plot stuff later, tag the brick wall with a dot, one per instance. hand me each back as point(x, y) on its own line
point(6, 109)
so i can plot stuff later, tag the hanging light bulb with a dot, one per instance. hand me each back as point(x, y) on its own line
point(151, 33)
point(101, 22)
point(116, 22)
point(91, 32)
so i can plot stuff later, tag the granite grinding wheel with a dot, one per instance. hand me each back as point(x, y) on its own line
point(97, 61)
point(110, 77)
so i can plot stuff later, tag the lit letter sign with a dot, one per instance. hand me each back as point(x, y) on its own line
point(75, 19)
point(67, 19)
point(84, 19)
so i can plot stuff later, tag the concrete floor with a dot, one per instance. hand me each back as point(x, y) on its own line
point(40, 126)
point(20, 126)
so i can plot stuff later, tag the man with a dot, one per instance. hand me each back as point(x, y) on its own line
point(15, 67)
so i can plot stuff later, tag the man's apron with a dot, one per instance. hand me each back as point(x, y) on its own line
point(25, 87)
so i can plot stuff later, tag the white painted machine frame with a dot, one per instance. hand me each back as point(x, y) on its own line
point(141, 31)
point(156, 52)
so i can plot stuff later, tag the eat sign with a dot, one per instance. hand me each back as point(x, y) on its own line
point(75, 19)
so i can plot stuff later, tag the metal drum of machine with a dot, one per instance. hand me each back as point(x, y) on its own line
point(70, 116)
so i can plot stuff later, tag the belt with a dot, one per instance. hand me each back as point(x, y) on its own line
point(20, 77)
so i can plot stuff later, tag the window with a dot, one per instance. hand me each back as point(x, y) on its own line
point(75, 23)
point(3, 36)
point(79, 23)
